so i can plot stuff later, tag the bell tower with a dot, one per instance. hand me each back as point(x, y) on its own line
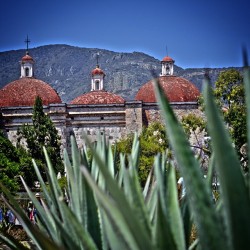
point(27, 62)
point(167, 66)
point(97, 77)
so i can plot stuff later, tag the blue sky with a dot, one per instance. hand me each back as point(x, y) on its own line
point(196, 33)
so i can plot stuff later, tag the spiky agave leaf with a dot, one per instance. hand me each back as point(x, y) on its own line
point(69, 221)
point(246, 81)
point(170, 231)
point(117, 208)
point(232, 183)
point(209, 230)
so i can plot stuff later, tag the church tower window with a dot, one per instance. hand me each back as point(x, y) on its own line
point(27, 71)
point(97, 85)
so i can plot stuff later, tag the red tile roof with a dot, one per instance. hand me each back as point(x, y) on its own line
point(177, 89)
point(98, 97)
point(167, 59)
point(97, 71)
point(24, 91)
point(27, 58)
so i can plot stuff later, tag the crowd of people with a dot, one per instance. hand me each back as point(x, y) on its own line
point(8, 218)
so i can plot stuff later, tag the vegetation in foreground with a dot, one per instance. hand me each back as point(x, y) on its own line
point(105, 208)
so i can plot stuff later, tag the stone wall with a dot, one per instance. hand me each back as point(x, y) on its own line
point(76, 120)
point(134, 120)
point(113, 120)
point(151, 112)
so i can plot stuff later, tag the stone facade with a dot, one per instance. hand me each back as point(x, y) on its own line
point(152, 113)
point(114, 120)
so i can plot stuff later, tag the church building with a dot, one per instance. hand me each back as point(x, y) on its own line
point(96, 111)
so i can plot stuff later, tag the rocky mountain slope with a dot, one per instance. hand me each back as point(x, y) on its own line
point(67, 69)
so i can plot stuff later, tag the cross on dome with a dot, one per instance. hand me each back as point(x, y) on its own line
point(97, 59)
point(27, 41)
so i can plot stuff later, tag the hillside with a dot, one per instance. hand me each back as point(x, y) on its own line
point(67, 69)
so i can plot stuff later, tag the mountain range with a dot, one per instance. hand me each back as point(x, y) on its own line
point(68, 69)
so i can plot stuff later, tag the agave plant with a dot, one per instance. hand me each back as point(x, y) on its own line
point(104, 206)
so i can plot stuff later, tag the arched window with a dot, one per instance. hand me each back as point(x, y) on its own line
point(27, 71)
point(167, 69)
point(97, 85)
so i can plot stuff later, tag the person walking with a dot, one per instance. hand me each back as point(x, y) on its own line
point(10, 218)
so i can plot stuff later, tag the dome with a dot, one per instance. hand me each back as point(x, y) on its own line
point(24, 91)
point(167, 59)
point(27, 57)
point(177, 89)
point(97, 71)
point(98, 97)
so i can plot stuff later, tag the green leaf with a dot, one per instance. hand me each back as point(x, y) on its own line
point(74, 228)
point(81, 198)
point(234, 191)
point(117, 209)
point(146, 189)
point(162, 237)
point(173, 211)
point(246, 80)
point(208, 225)
point(135, 196)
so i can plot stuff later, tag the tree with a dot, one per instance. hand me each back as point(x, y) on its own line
point(26, 167)
point(14, 163)
point(42, 133)
point(9, 168)
point(196, 131)
point(229, 91)
point(229, 88)
point(192, 122)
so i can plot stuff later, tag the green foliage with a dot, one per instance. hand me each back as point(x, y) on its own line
point(7, 148)
point(14, 162)
point(191, 122)
point(229, 91)
point(26, 166)
point(106, 208)
point(42, 133)
point(62, 182)
point(9, 173)
point(125, 144)
point(235, 116)
point(152, 140)
point(229, 87)
point(9, 164)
